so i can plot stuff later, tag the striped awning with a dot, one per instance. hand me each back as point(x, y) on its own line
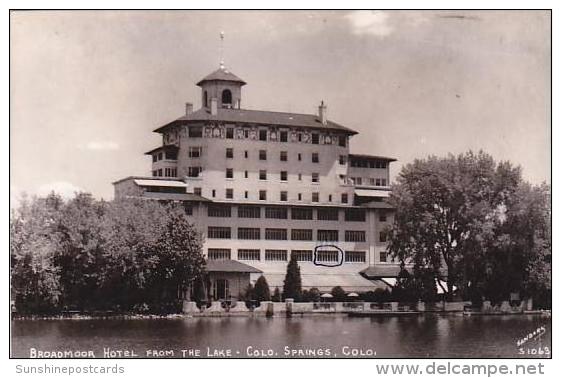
point(350, 282)
point(372, 193)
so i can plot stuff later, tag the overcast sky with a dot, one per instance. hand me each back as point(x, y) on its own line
point(88, 88)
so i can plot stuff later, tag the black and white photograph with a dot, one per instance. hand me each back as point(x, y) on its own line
point(281, 184)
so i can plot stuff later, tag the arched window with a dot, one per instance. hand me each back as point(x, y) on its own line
point(226, 97)
point(205, 99)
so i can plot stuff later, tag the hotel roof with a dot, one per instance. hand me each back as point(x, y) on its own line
point(222, 74)
point(371, 157)
point(230, 266)
point(258, 117)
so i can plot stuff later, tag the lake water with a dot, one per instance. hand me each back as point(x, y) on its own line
point(320, 336)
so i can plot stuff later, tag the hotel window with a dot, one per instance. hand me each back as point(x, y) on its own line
point(358, 180)
point(249, 233)
point(249, 254)
point(219, 211)
point(155, 173)
point(229, 173)
point(262, 175)
point(283, 156)
point(160, 172)
point(315, 177)
point(378, 182)
point(355, 256)
point(284, 176)
point(171, 172)
point(299, 137)
point(284, 136)
point(276, 234)
point(344, 198)
point(342, 160)
point(342, 141)
point(198, 191)
point(263, 134)
point(154, 158)
point(246, 174)
point(262, 195)
point(284, 196)
point(383, 257)
point(327, 256)
point(372, 182)
point(219, 233)
point(328, 214)
point(195, 132)
point(299, 157)
point(246, 133)
point(315, 197)
point(384, 183)
point(171, 155)
point(229, 193)
point(246, 194)
point(302, 213)
point(301, 234)
point(299, 196)
point(383, 236)
point(262, 154)
point(249, 212)
point(219, 254)
point(276, 255)
point(229, 133)
point(276, 212)
point(328, 235)
point(160, 156)
point(355, 215)
point(195, 152)
point(188, 209)
point(213, 193)
point(246, 154)
point(229, 153)
point(383, 217)
point(194, 171)
point(315, 157)
point(299, 177)
point(355, 236)
point(302, 255)
point(315, 138)
point(330, 198)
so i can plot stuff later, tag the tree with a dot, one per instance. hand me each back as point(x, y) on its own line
point(456, 220)
point(312, 295)
point(276, 295)
point(292, 281)
point(339, 295)
point(261, 290)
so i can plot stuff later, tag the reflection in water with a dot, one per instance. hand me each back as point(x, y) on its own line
point(407, 336)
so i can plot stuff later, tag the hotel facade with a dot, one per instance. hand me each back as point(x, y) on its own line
point(263, 186)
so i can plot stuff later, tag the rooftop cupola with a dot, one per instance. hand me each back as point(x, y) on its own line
point(222, 85)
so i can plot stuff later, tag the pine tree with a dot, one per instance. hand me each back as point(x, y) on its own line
point(293, 281)
point(261, 290)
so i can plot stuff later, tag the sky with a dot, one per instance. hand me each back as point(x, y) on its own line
point(88, 87)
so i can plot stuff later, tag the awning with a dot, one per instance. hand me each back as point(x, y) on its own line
point(381, 271)
point(372, 193)
point(350, 282)
point(166, 183)
point(229, 266)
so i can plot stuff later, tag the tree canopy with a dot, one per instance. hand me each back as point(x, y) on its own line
point(473, 223)
point(83, 254)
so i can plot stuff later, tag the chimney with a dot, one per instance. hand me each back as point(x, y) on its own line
point(214, 106)
point(322, 113)
point(188, 108)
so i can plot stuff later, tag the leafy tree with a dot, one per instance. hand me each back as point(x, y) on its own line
point(339, 295)
point(312, 295)
point(261, 290)
point(292, 281)
point(446, 211)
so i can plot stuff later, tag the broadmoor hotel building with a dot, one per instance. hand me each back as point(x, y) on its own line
point(263, 186)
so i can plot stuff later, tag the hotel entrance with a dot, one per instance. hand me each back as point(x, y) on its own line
point(221, 289)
